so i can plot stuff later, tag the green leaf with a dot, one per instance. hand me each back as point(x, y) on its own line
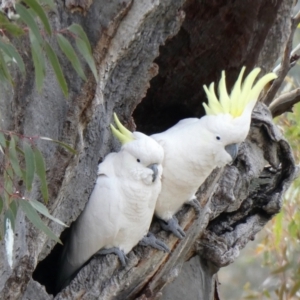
point(38, 61)
point(13, 29)
point(68, 50)
point(9, 215)
point(11, 51)
point(29, 20)
point(4, 70)
point(69, 148)
point(8, 184)
point(35, 6)
point(39, 72)
point(9, 26)
point(14, 157)
point(57, 69)
point(33, 216)
point(43, 210)
point(41, 172)
point(83, 49)
point(29, 161)
point(14, 208)
point(83, 45)
point(79, 32)
point(2, 140)
point(20, 151)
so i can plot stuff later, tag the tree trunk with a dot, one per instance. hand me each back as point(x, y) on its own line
point(152, 58)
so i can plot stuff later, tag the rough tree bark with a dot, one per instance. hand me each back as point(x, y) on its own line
point(153, 58)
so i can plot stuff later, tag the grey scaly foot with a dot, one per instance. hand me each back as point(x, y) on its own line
point(123, 258)
point(195, 204)
point(151, 240)
point(173, 226)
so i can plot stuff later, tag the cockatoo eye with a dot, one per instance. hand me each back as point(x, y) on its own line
point(218, 138)
point(138, 160)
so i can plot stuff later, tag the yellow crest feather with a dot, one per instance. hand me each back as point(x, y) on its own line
point(122, 133)
point(235, 93)
point(213, 102)
point(240, 96)
point(260, 85)
point(246, 89)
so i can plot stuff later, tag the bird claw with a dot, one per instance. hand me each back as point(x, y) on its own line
point(122, 257)
point(195, 204)
point(173, 226)
point(151, 240)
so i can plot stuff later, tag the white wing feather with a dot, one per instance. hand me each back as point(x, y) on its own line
point(96, 227)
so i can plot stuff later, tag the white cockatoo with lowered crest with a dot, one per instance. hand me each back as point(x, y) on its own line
point(194, 147)
point(120, 209)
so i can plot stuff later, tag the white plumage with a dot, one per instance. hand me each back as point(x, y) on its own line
point(121, 206)
point(194, 147)
point(192, 151)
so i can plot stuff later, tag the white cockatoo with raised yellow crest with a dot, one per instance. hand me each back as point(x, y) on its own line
point(194, 147)
point(120, 209)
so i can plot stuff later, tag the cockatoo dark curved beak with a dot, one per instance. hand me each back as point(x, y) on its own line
point(233, 150)
point(154, 168)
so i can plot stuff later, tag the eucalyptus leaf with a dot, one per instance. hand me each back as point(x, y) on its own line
point(11, 51)
point(29, 20)
point(10, 27)
point(33, 216)
point(9, 215)
point(30, 166)
point(69, 148)
point(87, 55)
point(8, 184)
point(57, 68)
point(36, 7)
point(70, 53)
point(5, 74)
point(38, 61)
point(40, 170)
point(79, 32)
point(14, 208)
point(40, 207)
point(14, 157)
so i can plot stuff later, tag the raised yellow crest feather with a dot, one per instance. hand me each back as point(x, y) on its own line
point(241, 94)
point(122, 133)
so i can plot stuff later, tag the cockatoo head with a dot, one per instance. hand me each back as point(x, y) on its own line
point(144, 155)
point(228, 119)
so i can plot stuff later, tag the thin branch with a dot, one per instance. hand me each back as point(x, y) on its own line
point(21, 136)
point(286, 63)
point(293, 59)
point(284, 102)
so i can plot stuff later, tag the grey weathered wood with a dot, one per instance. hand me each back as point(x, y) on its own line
point(133, 42)
point(195, 273)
